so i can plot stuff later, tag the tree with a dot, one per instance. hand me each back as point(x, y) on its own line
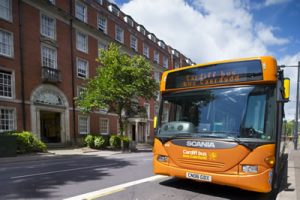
point(119, 82)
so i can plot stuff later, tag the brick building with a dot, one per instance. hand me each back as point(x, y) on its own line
point(48, 49)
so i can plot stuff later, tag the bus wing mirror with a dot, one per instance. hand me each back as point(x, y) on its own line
point(286, 85)
point(155, 122)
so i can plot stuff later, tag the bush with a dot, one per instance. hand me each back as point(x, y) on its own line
point(99, 142)
point(89, 140)
point(115, 142)
point(27, 142)
point(125, 141)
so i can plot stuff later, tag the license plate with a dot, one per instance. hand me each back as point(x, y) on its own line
point(201, 177)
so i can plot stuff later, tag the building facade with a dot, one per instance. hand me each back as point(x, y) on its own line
point(48, 50)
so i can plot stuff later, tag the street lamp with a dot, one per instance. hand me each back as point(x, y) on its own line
point(297, 106)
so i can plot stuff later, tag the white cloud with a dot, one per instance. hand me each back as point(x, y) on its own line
point(291, 60)
point(265, 34)
point(206, 30)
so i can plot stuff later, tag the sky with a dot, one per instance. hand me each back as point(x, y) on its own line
point(210, 30)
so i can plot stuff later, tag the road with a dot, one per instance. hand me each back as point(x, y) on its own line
point(120, 176)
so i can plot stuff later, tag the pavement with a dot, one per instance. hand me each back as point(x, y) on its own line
point(58, 154)
point(291, 186)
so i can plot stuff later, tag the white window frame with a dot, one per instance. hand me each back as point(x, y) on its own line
point(11, 86)
point(87, 125)
point(79, 73)
point(54, 57)
point(102, 26)
point(13, 120)
point(146, 50)
point(134, 42)
point(107, 126)
point(9, 11)
point(47, 26)
point(82, 46)
point(114, 9)
point(119, 34)
point(84, 14)
point(10, 44)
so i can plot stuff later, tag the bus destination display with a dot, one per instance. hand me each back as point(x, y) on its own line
point(215, 74)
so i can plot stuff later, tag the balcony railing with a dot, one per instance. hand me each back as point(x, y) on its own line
point(50, 75)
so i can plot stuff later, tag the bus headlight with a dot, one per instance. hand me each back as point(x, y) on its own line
point(250, 168)
point(162, 158)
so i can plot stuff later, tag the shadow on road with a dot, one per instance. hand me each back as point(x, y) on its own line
point(209, 189)
point(40, 184)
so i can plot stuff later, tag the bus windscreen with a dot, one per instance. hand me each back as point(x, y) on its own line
point(222, 73)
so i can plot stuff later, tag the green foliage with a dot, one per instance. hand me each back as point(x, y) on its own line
point(119, 80)
point(115, 142)
point(89, 140)
point(289, 126)
point(27, 142)
point(99, 142)
point(125, 141)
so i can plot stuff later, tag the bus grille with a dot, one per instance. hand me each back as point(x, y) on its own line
point(201, 163)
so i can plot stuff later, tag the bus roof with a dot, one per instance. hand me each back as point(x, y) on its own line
point(254, 70)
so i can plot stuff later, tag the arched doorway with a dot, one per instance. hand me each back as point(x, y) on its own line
point(50, 114)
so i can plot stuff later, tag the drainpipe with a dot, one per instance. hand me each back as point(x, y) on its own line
point(72, 70)
point(22, 65)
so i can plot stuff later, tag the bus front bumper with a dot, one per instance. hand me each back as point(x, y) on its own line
point(260, 182)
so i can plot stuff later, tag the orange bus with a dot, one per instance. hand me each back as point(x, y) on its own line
point(221, 122)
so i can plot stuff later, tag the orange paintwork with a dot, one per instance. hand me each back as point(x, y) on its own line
point(269, 65)
point(225, 169)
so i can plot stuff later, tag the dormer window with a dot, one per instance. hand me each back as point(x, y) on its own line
point(152, 37)
point(114, 9)
point(161, 44)
point(129, 20)
point(175, 53)
point(141, 29)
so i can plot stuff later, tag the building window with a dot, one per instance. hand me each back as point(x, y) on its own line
point(6, 10)
point(114, 9)
point(147, 108)
point(129, 21)
point(83, 124)
point(82, 42)
point(134, 43)
point(47, 26)
point(101, 46)
point(157, 76)
point(6, 43)
point(81, 11)
point(156, 57)
point(104, 126)
point(119, 34)
point(102, 24)
point(161, 44)
point(141, 29)
point(7, 119)
point(176, 64)
point(82, 68)
point(49, 57)
point(6, 84)
point(165, 62)
point(146, 50)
